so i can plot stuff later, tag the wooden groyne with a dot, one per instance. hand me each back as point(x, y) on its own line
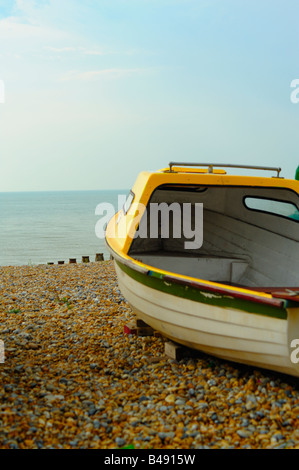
point(84, 259)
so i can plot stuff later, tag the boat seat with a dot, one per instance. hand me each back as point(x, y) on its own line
point(212, 268)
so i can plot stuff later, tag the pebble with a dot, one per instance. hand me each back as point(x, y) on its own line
point(73, 379)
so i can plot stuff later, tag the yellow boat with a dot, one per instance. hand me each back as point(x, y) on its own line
point(210, 259)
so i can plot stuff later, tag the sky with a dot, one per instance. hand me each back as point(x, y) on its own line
point(92, 92)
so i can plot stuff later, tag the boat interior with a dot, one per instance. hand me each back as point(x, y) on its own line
point(245, 236)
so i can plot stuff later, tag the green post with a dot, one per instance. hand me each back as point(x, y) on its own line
point(297, 174)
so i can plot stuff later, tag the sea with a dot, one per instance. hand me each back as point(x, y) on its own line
point(51, 226)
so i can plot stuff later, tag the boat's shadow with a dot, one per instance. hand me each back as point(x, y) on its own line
point(240, 370)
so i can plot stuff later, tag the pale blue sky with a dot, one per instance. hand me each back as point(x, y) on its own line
point(97, 91)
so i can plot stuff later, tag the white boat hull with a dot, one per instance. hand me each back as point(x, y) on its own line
point(227, 333)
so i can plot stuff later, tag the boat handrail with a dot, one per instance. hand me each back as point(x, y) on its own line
point(224, 165)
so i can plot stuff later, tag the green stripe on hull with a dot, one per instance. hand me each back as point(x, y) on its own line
point(156, 281)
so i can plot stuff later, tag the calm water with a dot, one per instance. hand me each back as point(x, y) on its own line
point(41, 227)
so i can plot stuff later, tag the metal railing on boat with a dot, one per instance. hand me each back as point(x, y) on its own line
point(223, 165)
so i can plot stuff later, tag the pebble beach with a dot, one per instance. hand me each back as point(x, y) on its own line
point(72, 378)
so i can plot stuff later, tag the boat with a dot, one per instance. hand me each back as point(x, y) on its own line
point(207, 255)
